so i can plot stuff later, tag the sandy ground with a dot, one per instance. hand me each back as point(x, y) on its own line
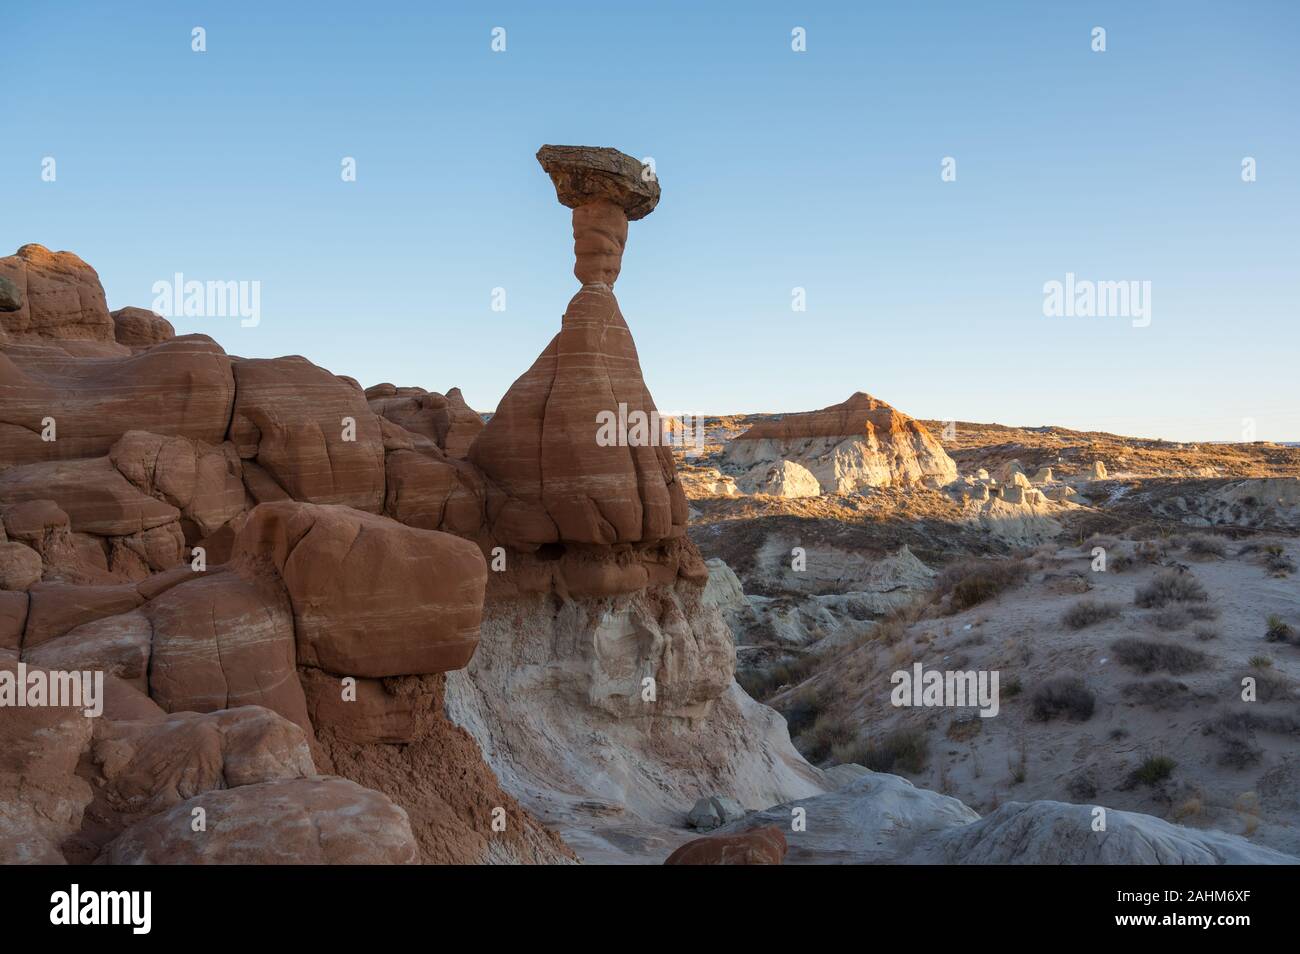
point(1015, 756)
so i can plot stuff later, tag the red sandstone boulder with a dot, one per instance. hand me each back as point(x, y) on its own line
point(762, 846)
point(32, 521)
point(92, 492)
point(446, 420)
point(153, 765)
point(222, 641)
point(13, 617)
point(123, 702)
point(117, 645)
point(309, 821)
point(58, 608)
point(60, 295)
point(181, 387)
point(365, 712)
point(202, 482)
point(141, 328)
point(311, 432)
point(20, 566)
point(41, 797)
point(371, 597)
point(432, 493)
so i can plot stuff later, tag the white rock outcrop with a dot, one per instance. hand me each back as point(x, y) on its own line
point(884, 819)
point(556, 697)
point(784, 478)
point(860, 443)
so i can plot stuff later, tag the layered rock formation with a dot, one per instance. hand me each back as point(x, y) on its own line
point(275, 569)
point(206, 532)
point(862, 442)
point(552, 479)
point(603, 691)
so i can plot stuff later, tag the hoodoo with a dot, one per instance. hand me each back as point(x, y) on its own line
point(557, 482)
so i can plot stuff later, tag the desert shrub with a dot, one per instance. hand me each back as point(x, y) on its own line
point(762, 683)
point(964, 728)
point(1082, 787)
point(1148, 551)
point(1172, 617)
point(1260, 662)
point(1206, 546)
point(802, 710)
point(904, 749)
point(1011, 688)
point(1238, 751)
point(1148, 655)
point(827, 734)
point(971, 582)
point(1120, 562)
point(1201, 611)
point(1170, 587)
point(1087, 612)
point(1278, 563)
point(1269, 685)
point(1271, 554)
point(1063, 696)
point(1158, 693)
point(1235, 730)
point(1246, 719)
point(1205, 633)
point(1278, 631)
point(1154, 770)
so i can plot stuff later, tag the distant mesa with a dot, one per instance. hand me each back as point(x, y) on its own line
point(862, 442)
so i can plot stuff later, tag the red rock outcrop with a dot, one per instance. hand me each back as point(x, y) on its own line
point(762, 846)
point(181, 387)
point(41, 797)
point(141, 328)
point(60, 294)
point(445, 419)
point(307, 821)
point(280, 575)
point(370, 596)
point(311, 432)
point(146, 767)
point(222, 641)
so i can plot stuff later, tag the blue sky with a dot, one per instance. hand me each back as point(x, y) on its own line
point(819, 170)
